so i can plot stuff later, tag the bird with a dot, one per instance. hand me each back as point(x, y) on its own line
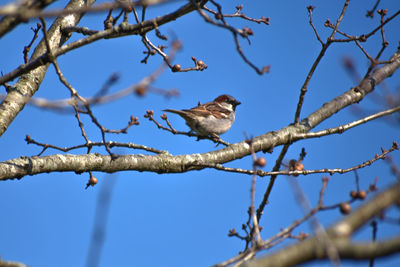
point(212, 118)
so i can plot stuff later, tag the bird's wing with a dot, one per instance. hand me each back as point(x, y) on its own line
point(210, 109)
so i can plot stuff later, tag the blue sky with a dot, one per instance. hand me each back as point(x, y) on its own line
point(183, 219)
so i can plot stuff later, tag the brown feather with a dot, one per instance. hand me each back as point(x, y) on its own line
point(209, 109)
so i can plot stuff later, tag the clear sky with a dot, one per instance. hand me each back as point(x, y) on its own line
point(183, 219)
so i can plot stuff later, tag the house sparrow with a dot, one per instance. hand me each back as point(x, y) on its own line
point(212, 118)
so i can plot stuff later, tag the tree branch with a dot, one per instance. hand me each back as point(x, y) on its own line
point(117, 31)
point(30, 82)
point(10, 21)
point(166, 163)
point(346, 250)
point(312, 249)
point(289, 172)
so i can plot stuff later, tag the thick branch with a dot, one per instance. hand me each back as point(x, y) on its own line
point(345, 249)
point(166, 163)
point(312, 249)
point(11, 264)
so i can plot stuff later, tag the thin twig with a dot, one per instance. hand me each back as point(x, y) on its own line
point(235, 32)
point(374, 226)
point(89, 144)
point(370, 13)
point(117, 31)
point(237, 15)
point(149, 115)
point(317, 227)
point(303, 172)
point(310, 10)
point(325, 46)
point(28, 47)
point(340, 129)
point(276, 168)
point(75, 96)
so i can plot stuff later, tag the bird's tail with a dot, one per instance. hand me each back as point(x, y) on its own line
point(179, 112)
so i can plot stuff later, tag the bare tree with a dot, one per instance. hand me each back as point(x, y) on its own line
point(60, 35)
